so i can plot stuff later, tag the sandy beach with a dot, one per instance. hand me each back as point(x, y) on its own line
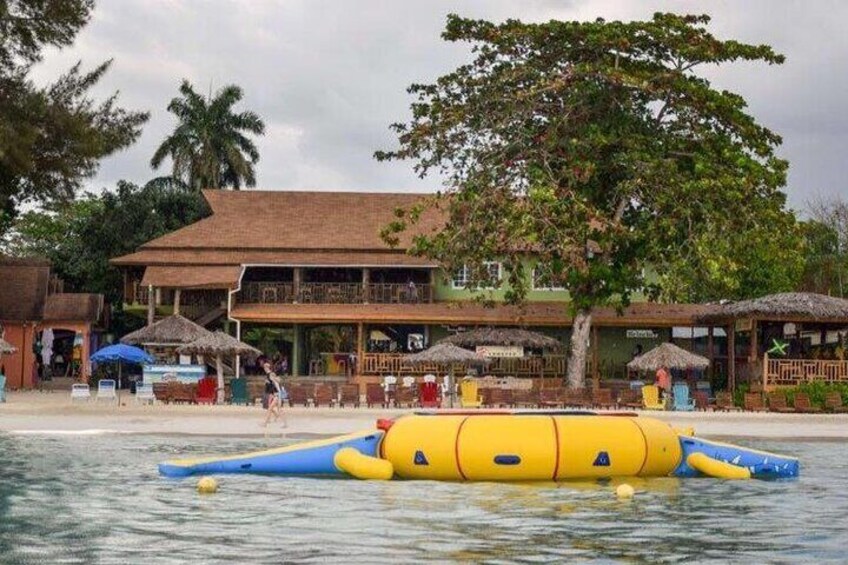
point(40, 412)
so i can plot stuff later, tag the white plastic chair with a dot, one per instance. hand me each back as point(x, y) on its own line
point(106, 390)
point(80, 391)
point(144, 393)
point(408, 382)
point(389, 382)
point(431, 378)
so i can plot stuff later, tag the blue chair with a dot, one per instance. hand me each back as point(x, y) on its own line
point(2, 388)
point(682, 402)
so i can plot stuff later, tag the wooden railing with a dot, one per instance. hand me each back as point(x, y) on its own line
point(792, 372)
point(334, 293)
point(394, 364)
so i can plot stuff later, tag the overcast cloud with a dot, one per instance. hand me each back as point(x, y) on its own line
point(328, 77)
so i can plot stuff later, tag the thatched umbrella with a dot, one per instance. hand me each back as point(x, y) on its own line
point(503, 336)
point(447, 354)
point(668, 356)
point(789, 305)
point(218, 344)
point(173, 330)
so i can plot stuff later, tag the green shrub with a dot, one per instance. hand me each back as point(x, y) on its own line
point(817, 391)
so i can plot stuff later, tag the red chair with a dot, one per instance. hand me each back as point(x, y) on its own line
point(428, 395)
point(207, 390)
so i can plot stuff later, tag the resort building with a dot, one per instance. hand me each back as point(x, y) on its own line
point(53, 331)
point(306, 275)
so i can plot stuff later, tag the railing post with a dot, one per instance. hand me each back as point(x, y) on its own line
point(366, 283)
point(765, 371)
point(297, 276)
point(151, 305)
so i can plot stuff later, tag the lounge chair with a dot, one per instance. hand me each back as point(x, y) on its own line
point(2, 388)
point(651, 398)
point(349, 394)
point(469, 398)
point(325, 394)
point(550, 398)
point(753, 402)
point(575, 398)
point(389, 386)
point(408, 382)
point(80, 391)
point(238, 391)
point(525, 397)
point(499, 397)
point(702, 400)
point(298, 394)
point(777, 403)
point(724, 401)
point(680, 395)
point(833, 402)
point(630, 398)
point(144, 393)
point(602, 398)
point(428, 394)
point(207, 390)
point(106, 390)
point(404, 397)
point(803, 404)
point(375, 394)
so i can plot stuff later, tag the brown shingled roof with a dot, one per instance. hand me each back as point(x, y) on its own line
point(78, 307)
point(533, 313)
point(192, 277)
point(23, 287)
point(164, 257)
point(293, 220)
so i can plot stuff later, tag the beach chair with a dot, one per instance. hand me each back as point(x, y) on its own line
point(777, 402)
point(349, 394)
point(2, 388)
point(724, 401)
point(389, 387)
point(429, 378)
point(298, 394)
point(651, 398)
point(207, 389)
point(428, 394)
point(238, 391)
point(498, 397)
point(375, 394)
point(702, 400)
point(525, 397)
point(680, 397)
point(469, 398)
point(575, 398)
point(833, 402)
point(753, 402)
point(630, 398)
point(404, 396)
point(550, 398)
point(408, 382)
point(803, 404)
point(602, 398)
point(325, 394)
point(144, 393)
point(106, 390)
point(80, 391)
point(160, 391)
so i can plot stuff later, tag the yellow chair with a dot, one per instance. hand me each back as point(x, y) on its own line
point(651, 398)
point(468, 394)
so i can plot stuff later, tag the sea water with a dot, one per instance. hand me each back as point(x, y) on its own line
point(98, 498)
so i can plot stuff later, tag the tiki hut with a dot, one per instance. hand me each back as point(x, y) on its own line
point(788, 306)
point(668, 356)
point(218, 344)
point(171, 331)
point(503, 336)
point(450, 355)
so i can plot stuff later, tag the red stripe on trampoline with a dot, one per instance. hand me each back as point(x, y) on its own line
point(556, 438)
point(456, 449)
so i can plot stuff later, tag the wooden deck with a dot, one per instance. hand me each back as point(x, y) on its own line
point(378, 364)
point(779, 373)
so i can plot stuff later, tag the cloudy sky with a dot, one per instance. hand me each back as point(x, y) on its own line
point(328, 77)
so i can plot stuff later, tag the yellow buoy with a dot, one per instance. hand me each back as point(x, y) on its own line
point(207, 485)
point(624, 491)
point(354, 463)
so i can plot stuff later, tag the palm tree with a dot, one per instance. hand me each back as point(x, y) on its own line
point(209, 148)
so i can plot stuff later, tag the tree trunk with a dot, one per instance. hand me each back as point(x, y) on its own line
point(579, 347)
point(219, 366)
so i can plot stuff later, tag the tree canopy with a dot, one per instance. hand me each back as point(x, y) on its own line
point(596, 147)
point(210, 147)
point(51, 137)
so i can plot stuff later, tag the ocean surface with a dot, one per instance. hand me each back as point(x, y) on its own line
point(99, 499)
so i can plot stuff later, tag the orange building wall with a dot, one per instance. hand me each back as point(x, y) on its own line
point(19, 365)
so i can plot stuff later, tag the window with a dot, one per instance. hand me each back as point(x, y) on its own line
point(543, 279)
point(462, 277)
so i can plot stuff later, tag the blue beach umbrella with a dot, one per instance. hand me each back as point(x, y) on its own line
point(120, 353)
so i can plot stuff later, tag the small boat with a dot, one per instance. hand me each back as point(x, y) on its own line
point(505, 446)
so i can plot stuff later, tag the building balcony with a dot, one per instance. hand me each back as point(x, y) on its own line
point(334, 293)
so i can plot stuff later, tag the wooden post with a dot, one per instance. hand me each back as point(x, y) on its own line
point(432, 292)
point(710, 352)
point(176, 301)
point(360, 348)
point(596, 381)
point(366, 282)
point(731, 357)
point(754, 353)
point(295, 364)
point(151, 304)
point(297, 278)
point(765, 372)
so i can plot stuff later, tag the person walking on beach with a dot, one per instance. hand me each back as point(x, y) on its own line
point(275, 394)
point(663, 382)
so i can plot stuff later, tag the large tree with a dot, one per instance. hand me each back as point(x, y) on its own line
point(210, 147)
point(595, 147)
point(51, 137)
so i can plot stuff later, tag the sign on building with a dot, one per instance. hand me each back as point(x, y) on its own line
point(642, 334)
point(501, 350)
